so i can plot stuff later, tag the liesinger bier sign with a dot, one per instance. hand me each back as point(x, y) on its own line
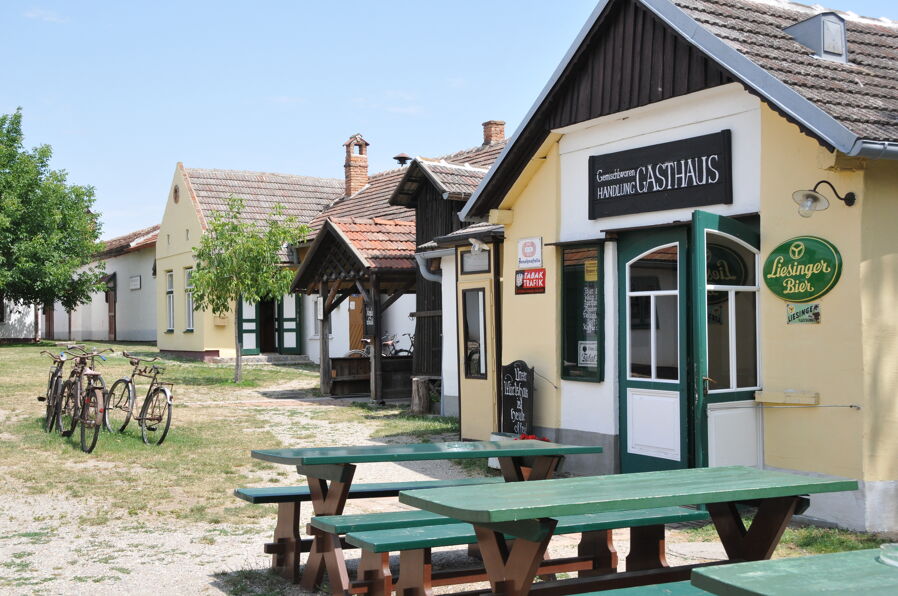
point(802, 269)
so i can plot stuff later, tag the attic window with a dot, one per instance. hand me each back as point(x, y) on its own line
point(823, 34)
point(176, 195)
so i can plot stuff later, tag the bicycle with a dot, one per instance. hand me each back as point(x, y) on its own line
point(154, 419)
point(54, 389)
point(387, 348)
point(83, 399)
point(411, 346)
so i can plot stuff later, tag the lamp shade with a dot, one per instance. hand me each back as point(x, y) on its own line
point(809, 201)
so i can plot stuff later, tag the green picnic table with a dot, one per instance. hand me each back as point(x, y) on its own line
point(329, 472)
point(857, 572)
point(505, 509)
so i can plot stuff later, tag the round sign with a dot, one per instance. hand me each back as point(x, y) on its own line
point(802, 269)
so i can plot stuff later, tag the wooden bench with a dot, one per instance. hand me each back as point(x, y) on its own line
point(595, 552)
point(288, 544)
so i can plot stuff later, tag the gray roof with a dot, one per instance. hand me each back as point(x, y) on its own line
point(302, 197)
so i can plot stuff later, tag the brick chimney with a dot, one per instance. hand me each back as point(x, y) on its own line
point(356, 166)
point(493, 132)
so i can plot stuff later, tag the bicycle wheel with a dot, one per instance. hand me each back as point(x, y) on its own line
point(402, 352)
point(54, 389)
point(155, 416)
point(69, 408)
point(119, 404)
point(91, 417)
point(356, 354)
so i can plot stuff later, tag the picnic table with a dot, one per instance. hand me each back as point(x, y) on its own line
point(329, 472)
point(527, 515)
point(840, 573)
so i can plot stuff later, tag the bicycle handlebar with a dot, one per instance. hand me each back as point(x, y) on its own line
point(138, 360)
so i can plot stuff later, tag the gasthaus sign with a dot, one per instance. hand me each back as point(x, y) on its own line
point(688, 173)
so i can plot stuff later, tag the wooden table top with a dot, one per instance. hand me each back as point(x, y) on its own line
point(418, 451)
point(856, 572)
point(594, 494)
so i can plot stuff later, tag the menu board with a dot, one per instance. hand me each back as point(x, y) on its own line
point(582, 313)
point(517, 398)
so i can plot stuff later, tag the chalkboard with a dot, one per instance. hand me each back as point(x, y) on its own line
point(517, 398)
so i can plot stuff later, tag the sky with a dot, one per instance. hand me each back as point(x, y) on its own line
point(123, 91)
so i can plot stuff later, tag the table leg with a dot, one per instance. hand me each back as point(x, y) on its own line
point(544, 467)
point(326, 552)
point(760, 540)
point(511, 569)
point(647, 548)
point(599, 548)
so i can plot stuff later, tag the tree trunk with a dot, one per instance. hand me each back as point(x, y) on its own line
point(420, 395)
point(238, 370)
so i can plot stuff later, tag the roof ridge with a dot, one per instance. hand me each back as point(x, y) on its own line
point(134, 235)
point(443, 162)
point(335, 180)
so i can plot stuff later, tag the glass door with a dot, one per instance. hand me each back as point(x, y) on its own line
point(725, 359)
point(654, 407)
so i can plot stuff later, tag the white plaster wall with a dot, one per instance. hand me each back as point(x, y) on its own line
point(592, 407)
point(18, 322)
point(395, 321)
point(449, 400)
point(135, 310)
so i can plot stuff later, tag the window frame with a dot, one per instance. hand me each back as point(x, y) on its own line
point(483, 330)
point(598, 376)
point(170, 299)
point(188, 299)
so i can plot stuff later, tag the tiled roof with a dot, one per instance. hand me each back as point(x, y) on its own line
point(381, 243)
point(457, 181)
point(476, 230)
point(373, 200)
point(862, 94)
point(129, 242)
point(302, 197)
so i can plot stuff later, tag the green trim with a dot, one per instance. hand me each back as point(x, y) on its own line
point(241, 321)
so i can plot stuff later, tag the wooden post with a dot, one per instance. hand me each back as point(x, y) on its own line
point(420, 395)
point(376, 358)
point(324, 329)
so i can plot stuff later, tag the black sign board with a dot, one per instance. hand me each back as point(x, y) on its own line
point(688, 173)
point(369, 320)
point(517, 398)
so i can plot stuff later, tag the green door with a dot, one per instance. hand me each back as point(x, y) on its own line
point(248, 326)
point(725, 287)
point(654, 408)
point(289, 335)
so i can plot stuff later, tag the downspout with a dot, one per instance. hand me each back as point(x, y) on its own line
point(423, 257)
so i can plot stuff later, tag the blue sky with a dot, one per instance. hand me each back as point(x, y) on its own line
point(125, 90)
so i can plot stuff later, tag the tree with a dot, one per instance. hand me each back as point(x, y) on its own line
point(48, 233)
point(239, 260)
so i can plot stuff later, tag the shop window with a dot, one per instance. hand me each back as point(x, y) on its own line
point(474, 321)
point(582, 314)
point(653, 315)
point(188, 298)
point(170, 299)
point(732, 302)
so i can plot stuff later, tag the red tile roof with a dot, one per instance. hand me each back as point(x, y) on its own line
point(380, 243)
point(132, 241)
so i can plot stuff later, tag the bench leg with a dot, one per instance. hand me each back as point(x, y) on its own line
point(374, 573)
point(287, 543)
point(415, 573)
point(326, 552)
point(511, 569)
point(599, 547)
point(647, 548)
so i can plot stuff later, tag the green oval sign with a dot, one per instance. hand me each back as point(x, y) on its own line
point(802, 269)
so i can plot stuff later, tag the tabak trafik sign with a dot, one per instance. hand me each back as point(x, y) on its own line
point(688, 173)
point(802, 269)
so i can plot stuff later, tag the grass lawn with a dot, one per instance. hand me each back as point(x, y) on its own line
point(191, 476)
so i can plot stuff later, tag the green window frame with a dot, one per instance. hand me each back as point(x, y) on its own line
point(583, 313)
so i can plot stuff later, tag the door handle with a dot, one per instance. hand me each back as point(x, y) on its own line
point(705, 381)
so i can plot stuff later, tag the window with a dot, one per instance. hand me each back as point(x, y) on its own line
point(317, 322)
point(582, 313)
point(170, 299)
point(732, 302)
point(653, 315)
point(188, 298)
point(474, 314)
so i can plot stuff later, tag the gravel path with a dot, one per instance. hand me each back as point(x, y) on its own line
point(52, 545)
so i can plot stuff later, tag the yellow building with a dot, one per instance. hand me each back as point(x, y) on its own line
point(269, 327)
point(658, 257)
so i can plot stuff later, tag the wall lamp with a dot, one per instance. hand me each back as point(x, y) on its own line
point(811, 200)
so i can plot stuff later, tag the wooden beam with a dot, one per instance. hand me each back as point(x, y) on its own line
point(328, 302)
point(324, 344)
point(376, 357)
point(362, 291)
point(397, 295)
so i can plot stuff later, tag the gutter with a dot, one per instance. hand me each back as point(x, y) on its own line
point(422, 258)
point(874, 149)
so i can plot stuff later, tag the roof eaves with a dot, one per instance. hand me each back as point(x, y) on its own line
point(193, 198)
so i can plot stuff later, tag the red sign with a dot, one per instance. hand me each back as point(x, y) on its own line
point(530, 281)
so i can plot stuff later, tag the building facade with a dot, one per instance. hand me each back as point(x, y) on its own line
point(684, 298)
